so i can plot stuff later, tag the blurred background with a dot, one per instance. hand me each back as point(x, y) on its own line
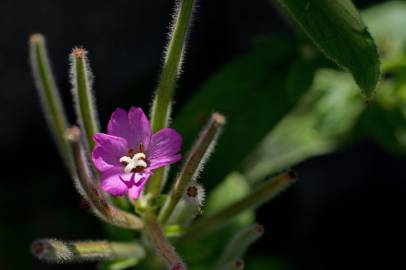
point(345, 211)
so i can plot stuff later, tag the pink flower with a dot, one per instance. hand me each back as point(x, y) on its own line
point(128, 154)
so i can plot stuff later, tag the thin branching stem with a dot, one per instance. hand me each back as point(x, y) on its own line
point(260, 195)
point(238, 245)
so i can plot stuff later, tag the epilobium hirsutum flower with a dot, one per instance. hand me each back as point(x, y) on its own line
point(128, 154)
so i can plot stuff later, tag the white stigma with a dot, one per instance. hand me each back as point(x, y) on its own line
point(138, 160)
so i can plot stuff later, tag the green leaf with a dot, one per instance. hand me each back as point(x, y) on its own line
point(252, 93)
point(336, 27)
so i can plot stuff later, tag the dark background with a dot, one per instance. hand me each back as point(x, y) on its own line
point(345, 212)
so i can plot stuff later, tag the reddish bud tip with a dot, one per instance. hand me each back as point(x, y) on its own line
point(239, 264)
point(73, 134)
point(178, 267)
point(85, 205)
point(79, 53)
point(259, 228)
point(38, 248)
point(36, 38)
point(218, 118)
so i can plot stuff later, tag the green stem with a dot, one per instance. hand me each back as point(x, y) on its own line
point(55, 251)
point(193, 164)
point(171, 67)
point(91, 191)
point(82, 90)
point(161, 243)
point(239, 243)
point(260, 195)
point(49, 95)
point(173, 59)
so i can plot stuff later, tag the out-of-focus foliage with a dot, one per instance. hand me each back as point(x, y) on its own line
point(254, 92)
point(332, 113)
point(233, 188)
point(385, 120)
point(316, 126)
point(387, 25)
point(308, 108)
point(221, 197)
point(336, 27)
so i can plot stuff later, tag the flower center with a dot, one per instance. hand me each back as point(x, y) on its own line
point(133, 161)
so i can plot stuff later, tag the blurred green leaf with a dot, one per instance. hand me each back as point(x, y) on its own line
point(233, 188)
point(385, 120)
point(252, 92)
point(201, 254)
point(318, 125)
point(336, 27)
point(386, 23)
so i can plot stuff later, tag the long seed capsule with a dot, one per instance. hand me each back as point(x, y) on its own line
point(193, 164)
point(265, 192)
point(82, 82)
point(49, 96)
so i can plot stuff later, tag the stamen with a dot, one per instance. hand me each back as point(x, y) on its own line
point(125, 159)
point(134, 163)
point(139, 156)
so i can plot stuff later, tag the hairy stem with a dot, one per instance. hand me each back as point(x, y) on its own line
point(161, 243)
point(49, 96)
point(81, 79)
point(161, 106)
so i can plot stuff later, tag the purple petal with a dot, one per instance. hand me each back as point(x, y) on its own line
point(164, 148)
point(118, 124)
point(139, 183)
point(140, 126)
point(164, 161)
point(112, 183)
point(108, 151)
point(134, 127)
